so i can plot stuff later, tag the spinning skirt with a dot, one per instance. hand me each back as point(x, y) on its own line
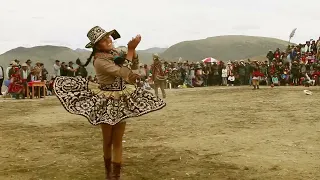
point(79, 96)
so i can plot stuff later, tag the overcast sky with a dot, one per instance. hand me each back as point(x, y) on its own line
point(161, 23)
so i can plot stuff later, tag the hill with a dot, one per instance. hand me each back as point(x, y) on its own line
point(48, 54)
point(224, 48)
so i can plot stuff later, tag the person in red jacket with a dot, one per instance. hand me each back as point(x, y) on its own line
point(256, 78)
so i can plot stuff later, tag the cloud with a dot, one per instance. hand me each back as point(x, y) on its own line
point(161, 23)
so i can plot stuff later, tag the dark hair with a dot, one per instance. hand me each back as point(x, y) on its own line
point(78, 61)
point(91, 56)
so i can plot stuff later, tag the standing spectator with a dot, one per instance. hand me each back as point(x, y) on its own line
point(81, 70)
point(242, 73)
point(307, 47)
point(270, 56)
point(44, 72)
point(158, 76)
point(9, 70)
point(314, 47)
point(63, 69)
point(24, 72)
point(318, 49)
point(70, 70)
point(224, 75)
point(28, 62)
point(277, 54)
point(1, 79)
point(56, 68)
point(215, 74)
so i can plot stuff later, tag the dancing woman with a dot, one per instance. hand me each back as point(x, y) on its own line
point(110, 102)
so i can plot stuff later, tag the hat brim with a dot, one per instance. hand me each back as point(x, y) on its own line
point(114, 33)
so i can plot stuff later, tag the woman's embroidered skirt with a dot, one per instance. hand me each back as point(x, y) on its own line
point(109, 104)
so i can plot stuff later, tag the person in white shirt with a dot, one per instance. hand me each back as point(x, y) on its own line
point(24, 72)
point(56, 68)
point(224, 75)
point(1, 79)
point(307, 47)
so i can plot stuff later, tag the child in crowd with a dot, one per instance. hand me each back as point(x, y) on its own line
point(231, 79)
point(275, 80)
point(256, 74)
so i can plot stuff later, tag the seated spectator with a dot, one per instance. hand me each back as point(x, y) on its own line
point(275, 80)
point(16, 86)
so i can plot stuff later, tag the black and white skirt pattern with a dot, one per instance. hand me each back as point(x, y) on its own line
point(100, 105)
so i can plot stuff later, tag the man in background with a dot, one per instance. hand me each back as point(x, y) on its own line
point(81, 70)
point(1, 79)
point(71, 71)
point(56, 68)
point(44, 72)
point(28, 62)
point(158, 75)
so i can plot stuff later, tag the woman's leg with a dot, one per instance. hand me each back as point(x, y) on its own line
point(162, 87)
point(254, 83)
point(107, 142)
point(117, 135)
point(156, 87)
point(257, 83)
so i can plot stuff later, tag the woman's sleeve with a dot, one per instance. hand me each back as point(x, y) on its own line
point(135, 63)
point(108, 67)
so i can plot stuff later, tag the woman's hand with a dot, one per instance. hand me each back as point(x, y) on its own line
point(132, 45)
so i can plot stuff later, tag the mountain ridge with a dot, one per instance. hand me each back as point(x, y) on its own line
point(229, 47)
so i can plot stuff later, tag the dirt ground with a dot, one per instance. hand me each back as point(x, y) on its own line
point(216, 133)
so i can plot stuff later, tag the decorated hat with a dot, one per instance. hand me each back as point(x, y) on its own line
point(97, 33)
point(155, 56)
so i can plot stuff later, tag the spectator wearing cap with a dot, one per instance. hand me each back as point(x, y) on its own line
point(56, 68)
point(24, 72)
point(10, 69)
point(18, 63)
point(70, 70)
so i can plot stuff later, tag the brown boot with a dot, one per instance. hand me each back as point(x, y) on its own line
point(116, 171)
point(107, 166)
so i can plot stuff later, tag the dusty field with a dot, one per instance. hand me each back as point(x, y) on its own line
point(202, 134)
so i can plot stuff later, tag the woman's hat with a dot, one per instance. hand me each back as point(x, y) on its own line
point(97, 33)
point(155, 56)
point(307, 92)
point(13, 63)
point(24, 65)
